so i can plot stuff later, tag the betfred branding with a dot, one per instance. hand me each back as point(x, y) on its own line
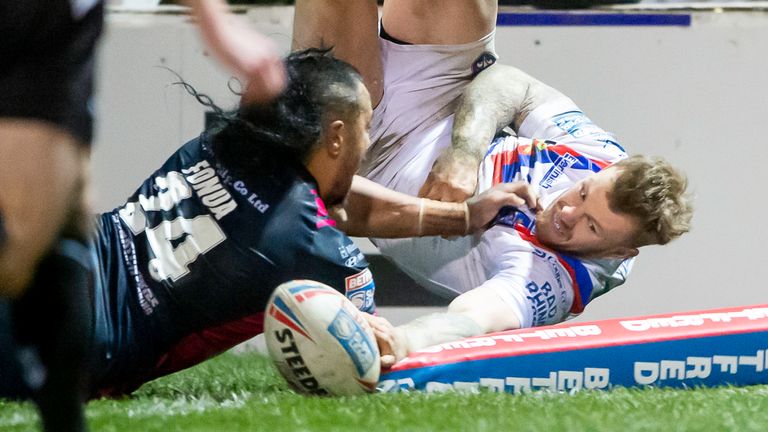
point(359, 280)
point(296, 370)
point(360, 289)
point(685, 350)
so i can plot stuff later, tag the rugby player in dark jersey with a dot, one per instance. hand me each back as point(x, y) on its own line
point(185, 267)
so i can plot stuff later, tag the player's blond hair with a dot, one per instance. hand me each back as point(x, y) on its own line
point(654, 192)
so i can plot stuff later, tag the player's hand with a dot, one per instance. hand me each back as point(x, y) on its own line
point(391, 348)
point(453, 177)
point(248, 54)
point(484, 207)
point(254, 58)
point(263, 70)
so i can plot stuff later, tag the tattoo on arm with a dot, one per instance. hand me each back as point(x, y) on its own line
point(438, 328)
point(500, 96)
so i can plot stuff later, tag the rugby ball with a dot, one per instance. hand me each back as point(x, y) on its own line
point(319, 341)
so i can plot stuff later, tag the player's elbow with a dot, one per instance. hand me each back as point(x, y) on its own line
point(485, 307)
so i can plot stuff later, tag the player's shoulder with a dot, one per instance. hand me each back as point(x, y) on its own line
point(516, 250)
point(303, 203)
point(537, 273)
point(562, 122)
point(519, 252)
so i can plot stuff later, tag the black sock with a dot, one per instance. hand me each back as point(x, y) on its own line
point(53, 323)
point(12, 383)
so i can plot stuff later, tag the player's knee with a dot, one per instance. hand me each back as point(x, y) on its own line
point(27, 235)
point(15, 273)
point(20, 254)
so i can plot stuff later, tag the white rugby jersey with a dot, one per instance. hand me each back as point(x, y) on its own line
point(541, 285)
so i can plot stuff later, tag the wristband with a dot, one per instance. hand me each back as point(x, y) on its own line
point(466, 218)
point(421, 216)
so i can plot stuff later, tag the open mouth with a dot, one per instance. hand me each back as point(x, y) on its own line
point(557, 223)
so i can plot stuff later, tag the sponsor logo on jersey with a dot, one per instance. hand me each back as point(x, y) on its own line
point(360, 289)
point(147, 300)
point(297, 370)
point(511, 216)
point(208, 186)
point(563, 162)
point(579, 275)
point(576, 124)
point(253, 199)
point(565, 298)
point(353, 339)
point(543, 302)
point(348, 250)
point(482, 62)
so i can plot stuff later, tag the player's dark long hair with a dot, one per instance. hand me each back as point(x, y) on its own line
point(256, 138)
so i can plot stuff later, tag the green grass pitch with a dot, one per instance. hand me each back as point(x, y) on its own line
point(243, 392)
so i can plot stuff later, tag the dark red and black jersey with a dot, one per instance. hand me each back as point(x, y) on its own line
point(187, 265)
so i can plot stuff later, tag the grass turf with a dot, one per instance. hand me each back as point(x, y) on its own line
point(243, 392)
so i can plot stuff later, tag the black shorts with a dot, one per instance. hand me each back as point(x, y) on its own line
point(47, 61)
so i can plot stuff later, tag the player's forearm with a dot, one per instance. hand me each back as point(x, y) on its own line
point(375, 211)
point(211, 15)
point(498, 97)
point(432, 330)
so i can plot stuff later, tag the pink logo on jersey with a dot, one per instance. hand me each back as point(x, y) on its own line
point(322, 213)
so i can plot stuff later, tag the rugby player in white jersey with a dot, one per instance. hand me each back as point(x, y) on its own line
point(585, 207)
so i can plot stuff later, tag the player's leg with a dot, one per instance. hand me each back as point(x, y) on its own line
point(40, 169)
point(12, 383)
point(350, 27)
point(45, 128)
point(46, 329)
point(57, 347)
point(45, 125)
point(447, 22)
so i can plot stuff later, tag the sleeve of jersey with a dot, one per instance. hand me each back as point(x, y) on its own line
point(537, 290)
point(339, 263)
point(561, 122)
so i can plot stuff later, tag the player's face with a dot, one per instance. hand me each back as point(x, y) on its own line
point(356, 142)
point(581, 223)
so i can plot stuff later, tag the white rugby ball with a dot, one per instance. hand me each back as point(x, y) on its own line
point(319, 341)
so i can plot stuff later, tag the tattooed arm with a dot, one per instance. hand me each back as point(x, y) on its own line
point(473, 313)
point(498, 97)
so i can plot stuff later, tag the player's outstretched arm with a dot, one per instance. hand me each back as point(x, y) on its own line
point(473, 313)
point(498, 97)
point(371, 210)
point(250, 55)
